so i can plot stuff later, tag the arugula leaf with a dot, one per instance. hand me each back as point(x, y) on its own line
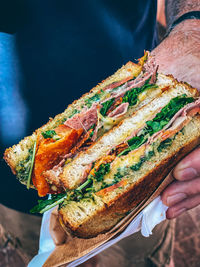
point(49, 134)
point(47, 204)
point(167, 113)
point(79, 193)
point(158, 123)
point(84, 185)
point(134, 143)
point(31, 166)
point(131, 96)
point(105, 106)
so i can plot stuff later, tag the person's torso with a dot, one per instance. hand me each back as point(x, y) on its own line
point(60, 51)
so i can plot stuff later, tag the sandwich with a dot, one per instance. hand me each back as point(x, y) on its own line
point(110, 149)
point(82, 123)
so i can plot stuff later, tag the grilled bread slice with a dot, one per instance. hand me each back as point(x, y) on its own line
point(92, 216)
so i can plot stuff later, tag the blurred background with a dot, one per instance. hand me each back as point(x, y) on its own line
point(14, 115)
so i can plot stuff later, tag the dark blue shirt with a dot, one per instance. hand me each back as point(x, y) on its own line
point(57, 51)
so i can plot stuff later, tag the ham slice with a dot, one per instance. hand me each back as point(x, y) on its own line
point(119, 111)
point(185, 111)
point(117, 84)
point(180, 119)
point(85, 119)
point(139, 81)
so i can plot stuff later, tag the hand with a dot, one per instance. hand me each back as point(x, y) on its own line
point(184, 193)
point(179, 55)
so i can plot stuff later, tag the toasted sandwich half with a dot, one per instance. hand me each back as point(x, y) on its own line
point(104, 160)
point(129, 162)
point(84, 122)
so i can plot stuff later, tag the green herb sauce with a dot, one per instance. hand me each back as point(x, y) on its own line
point(23, 167)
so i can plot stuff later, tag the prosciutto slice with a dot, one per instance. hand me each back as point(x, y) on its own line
point(180, 119)
point(150, 72)
point(117, 84)
point(85, 119)
point(119, 111)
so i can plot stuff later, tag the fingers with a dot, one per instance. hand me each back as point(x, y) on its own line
point(189, 167)
point(178, 191)
point(182, 206)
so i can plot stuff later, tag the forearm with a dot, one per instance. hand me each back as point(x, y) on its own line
point(179, 53)
point(175, 8)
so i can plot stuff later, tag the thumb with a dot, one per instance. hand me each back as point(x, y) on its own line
point(189, 167)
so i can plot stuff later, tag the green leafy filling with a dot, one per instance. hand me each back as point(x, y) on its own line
point(167, 113)
point(92, 132)
point(117, 178)
point(106, 105)
point(85, 190)
point(80, 192)
point(134, 143)
point(44, 205)
point(131, 96)
point(49, 134)
point(157, 124)
point(101, 172)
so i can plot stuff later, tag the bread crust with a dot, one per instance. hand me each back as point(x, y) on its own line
point(113, 211)
point(12, 154)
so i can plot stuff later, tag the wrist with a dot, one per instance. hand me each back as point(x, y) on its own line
point(179, 53)
point(187, 26)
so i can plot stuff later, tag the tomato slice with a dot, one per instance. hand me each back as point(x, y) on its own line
point(104, 191)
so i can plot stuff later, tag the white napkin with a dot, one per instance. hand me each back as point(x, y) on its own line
point(145, 221)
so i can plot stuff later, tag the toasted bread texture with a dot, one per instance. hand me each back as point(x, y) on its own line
point(90, 217)
point(18, 156)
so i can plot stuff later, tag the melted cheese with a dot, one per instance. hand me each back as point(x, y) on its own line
point(124, 161)
point(142, 96)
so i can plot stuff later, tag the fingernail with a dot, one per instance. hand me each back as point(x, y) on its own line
point(176, 213)
point(171, 200)
point(185, 174)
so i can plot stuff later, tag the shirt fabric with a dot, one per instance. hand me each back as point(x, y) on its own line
point(51, 53)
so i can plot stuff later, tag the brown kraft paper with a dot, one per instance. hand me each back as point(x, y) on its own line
point(69, 248)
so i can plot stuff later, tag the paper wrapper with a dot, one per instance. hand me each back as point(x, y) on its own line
point(65, 250)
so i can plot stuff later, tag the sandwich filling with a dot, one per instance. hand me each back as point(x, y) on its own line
point(84, 126)
point(111, 172)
